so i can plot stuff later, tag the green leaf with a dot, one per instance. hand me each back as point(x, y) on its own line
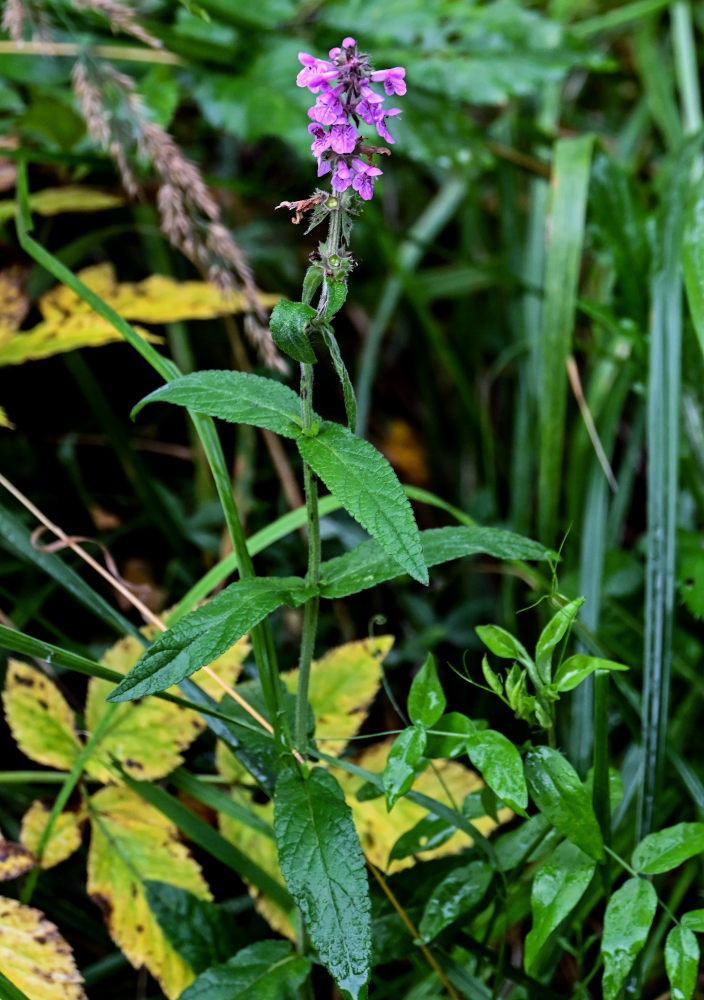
point(502, 643)
point(516, 846)
point(694, 920)
point(267, 970)
point(575, 669)
point(322, 862)
point(428, 833)
point(401, 765)
point(552, 634)
point(364, 482)
point(560, 796)
point(202, 933)
point(455, 728)
point(682, 962)
point(426, 699)
point(627, 920)
point(558, 886)
point(458, 893)
point(337, 293)
point(668, 848)
point(693, 260)
point(492, 679)
point(206, 632)
point(289, 327)
point(368, 564)
point(343, 375)
point(499, 763)
point(238, 397)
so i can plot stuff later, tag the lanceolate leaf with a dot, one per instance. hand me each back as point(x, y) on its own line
point(627, 920)
point(459, 892)
point(561, 797)
point(552, 634)
point(682, 962)
point(343, 375)
point(367, 565)
point(558, 886)
point(426, 699)
point(364, 482)
point(289, 328)
point(401, 767)
point(206, 632)
point(575, 669)
point(499, 763)
point(267, 970)
point(322, 862)
point(666, 849)
point(238, 397)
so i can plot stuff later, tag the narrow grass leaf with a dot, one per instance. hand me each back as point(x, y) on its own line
point(561, 797)
point(322, 862)
point(207, 632)
point(238, 397)
point(629, 914)
point(669, 848)
point(558, 886)
point(362, 479)
point(682, 962)
point(566, 227)
point(267, 970)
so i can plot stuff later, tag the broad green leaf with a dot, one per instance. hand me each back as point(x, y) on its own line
point(368, 564)
point(65, 835)
point(458, 893)
point(343, 684)
point(575, 669)
point(694, 920)
point(322, 862)
point(499, 763)
point(348, 395)
point(402, 765)
point(364, 482)
point(558, 886)
point(267, 970)
point(502, 643)
point(148, 739)
point(39, 717)
point(561, 797)
point(236, 396)
point(131, 843)
point(668, 848)
point(428, 833)
point(289, 328)
point(552, 634)
point(455, 728)
point(35, 957)
point(682, 962)
point(426, 699)
point(201, 932)
point(207, 632)
point(629, 914)
point(336, 295)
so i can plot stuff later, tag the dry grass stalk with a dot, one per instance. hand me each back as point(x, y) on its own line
point(121, 19)
point(19, 15)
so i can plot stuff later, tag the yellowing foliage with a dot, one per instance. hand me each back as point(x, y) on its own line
point(55, 201)
point(15, 859)
point(41, 721)
point(34, 956)
point(65, 837)
point(132, 842)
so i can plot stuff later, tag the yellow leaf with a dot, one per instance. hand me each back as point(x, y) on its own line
point(448, 781)
point(71, 198)
point(15, 860)
point(34, 956)
point(343, 685)
point(5, 420)
point(132, 842)
point(58, 336)
point(65, 835)
point(149, 737)
point(14, 304)
point(41, 721)
point(262, 850)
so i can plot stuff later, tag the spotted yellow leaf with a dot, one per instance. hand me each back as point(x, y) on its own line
point(41, 721)
point(34, 956)
point(132, 842)
point(58, 336)
point(148, 737)
point(15, 859)
point(14, 303)
point(65, 837)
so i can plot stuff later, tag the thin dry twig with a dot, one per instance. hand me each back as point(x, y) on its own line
point(576, 383)
point(121, 18)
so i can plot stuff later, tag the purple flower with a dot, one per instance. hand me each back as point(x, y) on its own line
point(315, 72)
point(364, 178)
point(343, 138)
point(343, 176)
point(328, 108)
point(394, 82)
point(321, 141)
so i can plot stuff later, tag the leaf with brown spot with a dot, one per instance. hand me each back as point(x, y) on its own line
point(133, 842)
point(39, 717)
point(15, 860)
point(34, 956)
point(65, 835)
